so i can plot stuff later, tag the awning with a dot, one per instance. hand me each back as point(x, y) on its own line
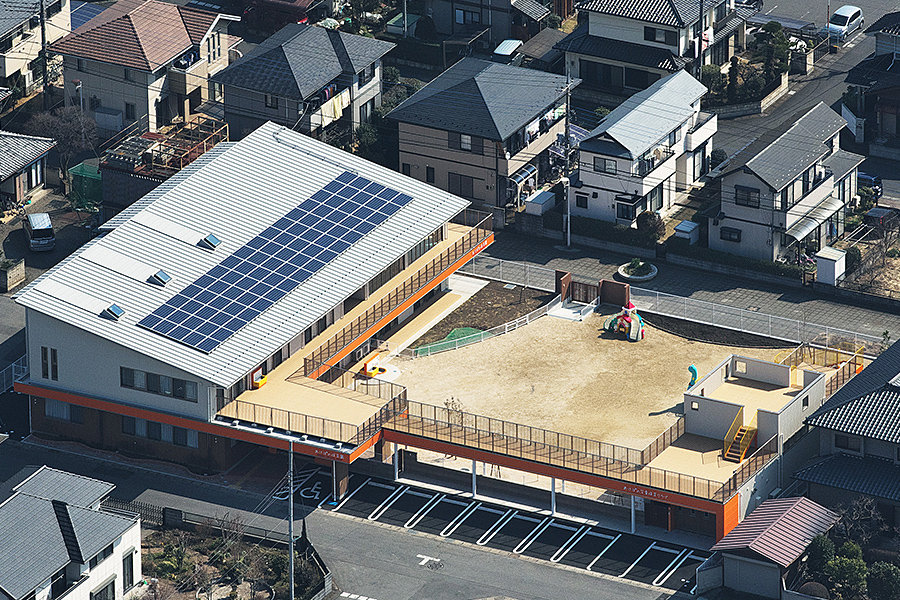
point(522, 175)
point(808, 222)
point(531, 8)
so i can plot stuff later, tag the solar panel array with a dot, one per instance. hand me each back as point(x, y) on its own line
point(271, 265)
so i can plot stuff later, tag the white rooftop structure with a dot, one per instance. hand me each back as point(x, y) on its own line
point(230, 196)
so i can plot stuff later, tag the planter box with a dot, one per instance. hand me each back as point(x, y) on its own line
point(12, 277)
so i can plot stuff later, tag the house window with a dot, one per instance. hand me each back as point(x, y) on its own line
point(405, 169)
point(179, 436)
point(100, 557)
point(730, 234)
point(695, 405)
point(467, 17)
point(465, 142)
point(625, 211)
point(581, 200)
point(154, 431)
point(848, 442)
point(805, 402)
point(129, 76)
point(604, 165)
point(129, 425)
point(429, 174)
point(654, 198)
point(107, 592)
point(674, 137)
point(130, 111)
point(364, 76)
point(661, 36)
point(787, 197)
point(49, 364)
point(746, 196)
point(158, 384)
point(128, 570)
point(721, 11)
point(271, 101)
point(461, 185)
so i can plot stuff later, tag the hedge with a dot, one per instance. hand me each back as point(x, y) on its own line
point(600, 230)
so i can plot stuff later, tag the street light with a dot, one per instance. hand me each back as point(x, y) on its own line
point(77, 83)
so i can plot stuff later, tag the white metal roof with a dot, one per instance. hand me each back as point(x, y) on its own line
point(235, 196)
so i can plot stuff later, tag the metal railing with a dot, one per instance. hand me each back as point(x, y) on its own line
point(847, 364)
point(522, 321)
point(321, 358)
point(665, 439)
point(558, 449)
point(736, 424)
point(13, 373)
point(771, 326)
point(287, 420)
point(507, 271)
point(752, 465)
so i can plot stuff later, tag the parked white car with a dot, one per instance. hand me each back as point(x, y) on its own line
point(843, 22)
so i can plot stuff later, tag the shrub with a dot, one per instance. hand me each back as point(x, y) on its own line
point(884, 581)
point(554, 21)
point(892, 253)
point(850, 550)
point(853, 258)
point(820, 551)
point(866, 199)
point(717, 157)
point(681, 247)
point(848, 576)
point(711, 76)
point(651, 225)
point(390, 75)
point(601, 111)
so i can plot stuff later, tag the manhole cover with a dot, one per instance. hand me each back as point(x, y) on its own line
point(435, 566)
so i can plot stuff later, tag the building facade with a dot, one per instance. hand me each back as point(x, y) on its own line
point(23, 166)
point(20, 42)
point(654, 145)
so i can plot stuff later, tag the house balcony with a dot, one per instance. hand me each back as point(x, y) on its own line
point(818, 192)
point(650, 161)
point(702, 130)
point(186, 79)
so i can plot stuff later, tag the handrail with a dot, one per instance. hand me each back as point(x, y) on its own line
point(320, 359)
point(732, 431)
point(748, 436)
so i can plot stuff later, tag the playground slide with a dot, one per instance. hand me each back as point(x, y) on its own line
point(634, 332)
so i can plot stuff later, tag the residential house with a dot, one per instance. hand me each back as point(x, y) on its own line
point(762, 554)
point(859, 437)
point(304, 78)
point(498, 19)
point(20, 41)
point(786, 193)
point(483, 131)
point(285, 256)
point(57, 539)
point(875, 90)
point(23, 165)
point(626, 46)
point(540, 52)
point(144, 60)
point(651, 147)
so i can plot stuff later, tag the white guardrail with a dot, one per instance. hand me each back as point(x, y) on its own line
point(14, 372)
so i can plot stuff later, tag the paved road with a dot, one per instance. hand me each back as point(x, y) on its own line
point(367, 558)
point(794, 303)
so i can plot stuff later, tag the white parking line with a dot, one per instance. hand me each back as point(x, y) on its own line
point(413, 492)
point(414, 520)
point(451, 527)
point(350, 495)
point(599, 556)
point(601, 535)
point(493, 529)
point(673, 566)
point(376, 514)
point(564, 549)
point(529, 539)
point(628, 570)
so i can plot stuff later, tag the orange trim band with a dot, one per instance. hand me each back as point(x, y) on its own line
point(205, 427)
point(364, 336)
point(520, 464)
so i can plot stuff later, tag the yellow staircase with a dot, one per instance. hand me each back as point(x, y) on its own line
point(739, 438)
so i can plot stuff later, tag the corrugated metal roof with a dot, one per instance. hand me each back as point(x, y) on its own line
point(531, 8)
point(235, 196)
point(645, 118)
point(779, 529)
point(53, 484)
point(18, 151)
point(869, 475)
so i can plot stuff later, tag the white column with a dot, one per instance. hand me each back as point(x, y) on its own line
point(397, 452)
point(474, 479)
point(553, 495)
point(632, 514)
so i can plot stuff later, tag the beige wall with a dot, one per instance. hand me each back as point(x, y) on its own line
point(26, 48)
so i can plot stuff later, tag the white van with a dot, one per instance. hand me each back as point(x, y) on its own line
point(39, 231)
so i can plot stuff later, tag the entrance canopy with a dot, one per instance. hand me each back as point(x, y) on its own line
point(808, 222)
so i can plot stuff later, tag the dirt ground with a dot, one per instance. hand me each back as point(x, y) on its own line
point(491, 306)
point(571, 377)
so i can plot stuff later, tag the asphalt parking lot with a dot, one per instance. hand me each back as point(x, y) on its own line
point(483, 523)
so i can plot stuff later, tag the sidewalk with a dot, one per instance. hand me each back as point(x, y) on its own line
point(799, 304)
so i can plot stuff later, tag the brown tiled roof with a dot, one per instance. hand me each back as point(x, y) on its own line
point(780, 529)
point(138, 34)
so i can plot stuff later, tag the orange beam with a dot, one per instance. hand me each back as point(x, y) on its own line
point(364, 336)
point(528, 466)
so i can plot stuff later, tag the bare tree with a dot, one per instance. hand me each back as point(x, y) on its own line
point(72, 130)
point(861, 521)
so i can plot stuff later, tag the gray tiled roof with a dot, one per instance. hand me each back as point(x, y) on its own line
point(5, 93)
point(579, 42)
point(13, 14)
point(779, 529)
point(873, 415)
point(481, 98)
point(842, 162)
point(53, 484)
point(677, 13)
point(873, 378)
point(18, 151)
point(32, 548)
point(779, 155)
point(876, 73)
point(299, 60)
point(869, 475)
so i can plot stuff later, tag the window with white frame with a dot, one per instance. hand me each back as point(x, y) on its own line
point(158, 384)
point(107, 592)
point(49, 364)
point(604, 165)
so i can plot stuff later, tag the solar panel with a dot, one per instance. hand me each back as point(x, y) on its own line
point(255, 276)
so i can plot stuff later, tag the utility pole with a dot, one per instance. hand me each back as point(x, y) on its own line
point(291, 513)
point(405, 26)
point(44, 55)
point(565, 178)
point(698, 53)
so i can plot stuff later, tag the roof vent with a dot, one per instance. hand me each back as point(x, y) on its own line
point(210, 242)
point(114, 311)
point(160, 278)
